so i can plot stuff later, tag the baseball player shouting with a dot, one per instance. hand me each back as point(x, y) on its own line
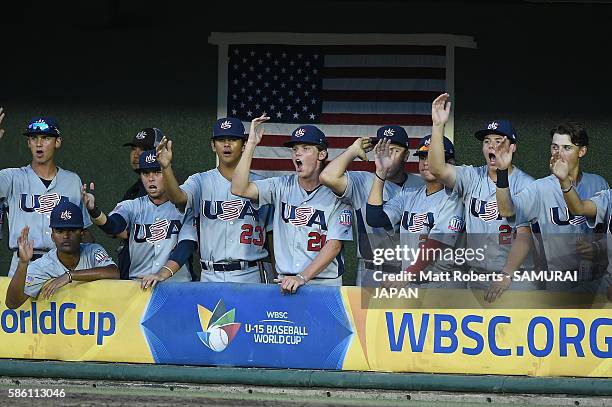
point(475, 186)
point(567, 240)
point(232, 232)
point(153, 226)
point(310, 222)
point(33, 191)
point(428, 215)
point(69, 260)
point(354, 186)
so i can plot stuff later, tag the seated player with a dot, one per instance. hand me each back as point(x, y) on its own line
point(310, 223)
point(71, 260)
point(160, 238)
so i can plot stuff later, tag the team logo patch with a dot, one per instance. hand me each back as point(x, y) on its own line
point(493, 126)
point(218, 327)
point(456, 224)
point(345, 218)
point(230, 210)
point(141, 135)
point(66, 215)
point(29, 281)
point(150, 159)
point(388, 133)
point(487, 211)
point(159, 231)
point(302, 216)
point(226, 125)
point(47, 203)
point(100, 255)
point(299, 133)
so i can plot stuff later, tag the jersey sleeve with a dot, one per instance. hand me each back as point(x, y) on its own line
point(125, 209)
point(36, 277)
point(6, 181)
point(267, 190)
point(340, 223)
point(98, 257)
point(394, 208)
point(602, 201)
point(465, 175)
point(189, 228)
point(356, 192)
point(526, 205)
point(193, 189)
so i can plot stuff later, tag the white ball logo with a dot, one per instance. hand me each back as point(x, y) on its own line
point(218, 339)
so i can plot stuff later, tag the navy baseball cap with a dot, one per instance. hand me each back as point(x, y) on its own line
point(397, 134)
point(42, 125)
point(66, 215)
point(148, 162)
point(147, 139)
point(307, 134)
point(500, 127)
point(423, 148)
point(229, 127)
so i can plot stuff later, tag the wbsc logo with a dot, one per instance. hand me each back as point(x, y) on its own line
point(218, 327)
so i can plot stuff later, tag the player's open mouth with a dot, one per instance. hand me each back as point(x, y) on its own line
point(39, 153)
point(152, 188)
point(492, 158)
point(298, 164)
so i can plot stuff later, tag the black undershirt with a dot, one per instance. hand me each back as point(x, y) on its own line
point(47, 182)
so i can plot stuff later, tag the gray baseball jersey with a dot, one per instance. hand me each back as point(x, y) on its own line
point(358, 186)
point(31, 203)
point(438, 215)
point(303, 222)
point(3, 208)
point(230, 227)
point(484, 226)
point(603, 202)
point(542, 204)
point(49, 266)
point(154, 231)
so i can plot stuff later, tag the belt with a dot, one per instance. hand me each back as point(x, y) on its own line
point(37, 253)
point(231, 266)
point(387, 268)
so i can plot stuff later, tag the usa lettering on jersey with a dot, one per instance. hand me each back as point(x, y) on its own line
point(414, 222)
point(303, 216)
point(229, 210)
point(42, 204)
point(484, 210)
point(562, 217)
point(156, 231)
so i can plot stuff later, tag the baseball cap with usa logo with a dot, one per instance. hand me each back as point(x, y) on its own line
point(229, 127)
point(396, 134)
point(66, 215)
point(42, 125)
point(499, 127)
point(146, 138)
point(148, 162)
point(307, 134)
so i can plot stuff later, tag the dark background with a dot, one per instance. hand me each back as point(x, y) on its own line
point(106, 68)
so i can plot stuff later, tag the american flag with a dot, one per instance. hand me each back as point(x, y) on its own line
point(418, 220)
point(348, 91)
point(159, 231)
point(491, 212)
point(47, 203)
point(231, 209)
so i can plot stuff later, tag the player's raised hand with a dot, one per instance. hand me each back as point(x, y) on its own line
point(503, 154)
point(1, 118)
point(361, 147)
point(88, 198)
point(440, 110)
point(384, 157)
point(257, 129)
point(26, 247)
point(51, 286)
point(559, 167)
point(163, 152)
